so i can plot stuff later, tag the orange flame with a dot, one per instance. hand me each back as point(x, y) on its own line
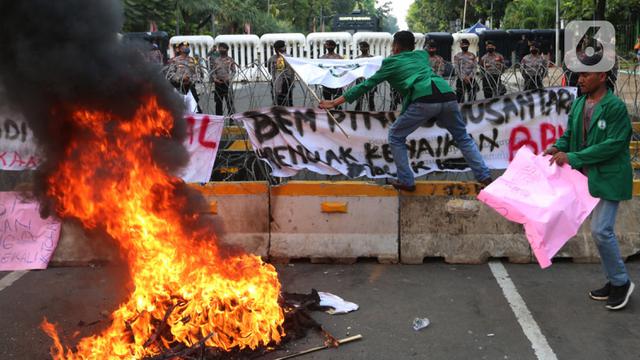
point(184, 290)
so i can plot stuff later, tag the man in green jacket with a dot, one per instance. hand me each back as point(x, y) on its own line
point(596, 142)
point(426, 96)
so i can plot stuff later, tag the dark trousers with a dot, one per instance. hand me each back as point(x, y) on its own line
point(221, 94)
point(466, 90)
point(492, 86)
point(284, 96)
point(331, 94)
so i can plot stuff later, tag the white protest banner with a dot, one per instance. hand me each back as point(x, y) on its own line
point(334, 73)
point(202, 143)
point(26, 241)
point(292, 139)
point(17, 149)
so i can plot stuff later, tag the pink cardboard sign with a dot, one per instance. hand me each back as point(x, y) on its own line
point(26, 241)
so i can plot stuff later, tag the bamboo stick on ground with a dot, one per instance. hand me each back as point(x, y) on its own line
point(318, 348)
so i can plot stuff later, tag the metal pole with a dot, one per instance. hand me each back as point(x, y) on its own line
point(491, 16)
point(558, 59)
point(464, 15)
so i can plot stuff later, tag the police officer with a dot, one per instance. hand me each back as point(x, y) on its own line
point(182, 71)
point(534, 68)
point(465, 65)
point(437, 62)
point(493, 65)
point(330, 47)
point(282, 75)
point(223, 69)
point(364, 53)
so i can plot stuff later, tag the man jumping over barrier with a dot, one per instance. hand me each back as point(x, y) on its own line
point(426, 96)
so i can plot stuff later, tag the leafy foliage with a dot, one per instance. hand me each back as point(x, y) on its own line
point(230, 16)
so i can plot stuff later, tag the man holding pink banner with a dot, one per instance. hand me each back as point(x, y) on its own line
point(596, 142)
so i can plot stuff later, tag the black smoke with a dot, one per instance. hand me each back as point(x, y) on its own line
point(62, 54)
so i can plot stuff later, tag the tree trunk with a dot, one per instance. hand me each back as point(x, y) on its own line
point(600, 9)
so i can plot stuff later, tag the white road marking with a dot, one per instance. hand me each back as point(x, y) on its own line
point(529, 326)
point(8, 280)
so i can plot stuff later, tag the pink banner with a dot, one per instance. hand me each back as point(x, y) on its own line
point(550, 201)
point(26, 241)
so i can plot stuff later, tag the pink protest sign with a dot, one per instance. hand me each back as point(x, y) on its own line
point(26, 241)
point(550, 201)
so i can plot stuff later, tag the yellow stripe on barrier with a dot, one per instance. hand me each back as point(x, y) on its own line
point(213, 207)
point(337, 188)
point(636, 187)
point(233, 188)
point(333, 207)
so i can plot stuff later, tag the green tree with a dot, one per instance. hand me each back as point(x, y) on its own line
point(530, 14)
point(230, 16)
point(436, 15)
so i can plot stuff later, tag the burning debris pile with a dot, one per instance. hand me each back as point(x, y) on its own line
point(186, 290)
point(110, 128)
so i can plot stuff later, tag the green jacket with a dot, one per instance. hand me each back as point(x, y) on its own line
point(409, 72)
point(606, 155)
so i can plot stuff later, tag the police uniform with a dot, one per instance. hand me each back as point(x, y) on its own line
point(369, 96)
point(493, 65)
point(282, 80)
point(534, 69)
point(465, 64)
point(223, 69)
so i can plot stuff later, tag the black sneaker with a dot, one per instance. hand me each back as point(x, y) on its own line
point(619, 296)
point(601, 294)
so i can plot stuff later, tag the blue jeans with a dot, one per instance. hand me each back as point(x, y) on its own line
point(448, 116)
point(603, 219)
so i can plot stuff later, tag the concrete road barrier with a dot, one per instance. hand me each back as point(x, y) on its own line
point(334, 221)
point(241, 213)
point(77, 248)
point(443, 220)
point(344, 221)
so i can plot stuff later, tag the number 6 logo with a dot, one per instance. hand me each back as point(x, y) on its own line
point(590, 46)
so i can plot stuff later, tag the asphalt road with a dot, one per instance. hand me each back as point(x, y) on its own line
point(493, 311)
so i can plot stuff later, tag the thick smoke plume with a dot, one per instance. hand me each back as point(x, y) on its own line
point(62, 55)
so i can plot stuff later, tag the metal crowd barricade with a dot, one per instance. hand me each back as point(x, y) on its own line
point(379, 43)
point(315, 44)
point(420, 40)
